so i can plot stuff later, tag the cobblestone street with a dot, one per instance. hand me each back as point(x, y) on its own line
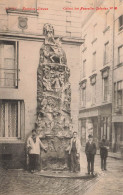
point(18, 182)
point(112, 182)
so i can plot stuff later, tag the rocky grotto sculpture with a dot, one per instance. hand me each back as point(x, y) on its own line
point(53, 96)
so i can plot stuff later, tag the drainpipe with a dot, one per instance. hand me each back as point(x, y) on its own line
point(113, 133)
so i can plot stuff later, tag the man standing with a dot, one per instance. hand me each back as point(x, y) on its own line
point(33, 145)
point(74, 152)
point(104, 146)
point(90, 151)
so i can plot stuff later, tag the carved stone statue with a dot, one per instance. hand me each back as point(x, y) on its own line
point(51, 50)
point(53, 94)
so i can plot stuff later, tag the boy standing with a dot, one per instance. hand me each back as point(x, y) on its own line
point(90, 151)
point(104, 146)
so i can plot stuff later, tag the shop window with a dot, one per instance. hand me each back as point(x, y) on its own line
point(6, 156)
point(83, 132)
point(121, 23)
point(105, 128)
point(106, 53)
point(118, 136)
point(120, 54)
point(11, 118)
point(8, 64)
point(118, 97)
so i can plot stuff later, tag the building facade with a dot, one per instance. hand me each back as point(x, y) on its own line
point(21, 37)
point(117, 103)
point(101, 78)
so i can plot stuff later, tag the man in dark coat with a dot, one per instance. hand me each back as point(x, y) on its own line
point(74, 152)
point(90, 151)
point(104, 146)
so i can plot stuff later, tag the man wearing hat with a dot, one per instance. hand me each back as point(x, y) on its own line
point(90, 151)
point(104, 146)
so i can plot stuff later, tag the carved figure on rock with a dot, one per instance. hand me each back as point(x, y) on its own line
point(47, 84)
point(57, 83)
point(51, 51)
point(44, 104)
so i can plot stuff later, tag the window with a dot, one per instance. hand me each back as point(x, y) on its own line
point(118, 97)
point(68, 23)
point(115, 94)
point(93, 96)
point(83, 131)
point(83, 97)
point(11, 118)
point(68, 13)
point(84, 68)
point(85, 37)
point(106, 53)
point(119, 93)
point(8, 64)
point(68, 33)
point(94, 62)
point(107, 19)
point(105, 130)
point(94, 30)
point(68, 3)
point(121, 23)
point(120, 54)
point(21, 4)
point(105, 89)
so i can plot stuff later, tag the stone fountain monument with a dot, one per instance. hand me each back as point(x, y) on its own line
point(53, 100)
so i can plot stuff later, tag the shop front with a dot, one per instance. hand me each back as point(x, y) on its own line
point(96, 122)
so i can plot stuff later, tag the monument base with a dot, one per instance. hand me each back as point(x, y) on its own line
point(56, 157)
